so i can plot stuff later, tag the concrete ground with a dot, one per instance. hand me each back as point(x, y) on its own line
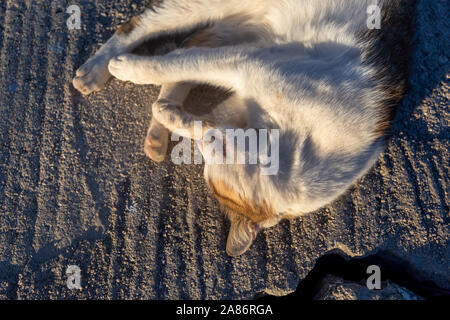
point(77, 189)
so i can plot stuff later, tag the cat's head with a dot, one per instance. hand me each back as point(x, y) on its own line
point(243, 195)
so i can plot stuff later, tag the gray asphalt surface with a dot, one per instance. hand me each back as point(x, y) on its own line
point(77, 189)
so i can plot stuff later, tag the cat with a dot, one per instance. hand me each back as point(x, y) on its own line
point(313, 70)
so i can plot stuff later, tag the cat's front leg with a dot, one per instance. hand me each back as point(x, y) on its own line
point(156, 142)
point(172, 116)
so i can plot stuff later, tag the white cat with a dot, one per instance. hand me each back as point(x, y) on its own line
point(310, 68)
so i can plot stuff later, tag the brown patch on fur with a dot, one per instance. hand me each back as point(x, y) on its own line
point(224, 33)
point(126, 28)
point(205, 37)
point(390, 51)
point(233, 203)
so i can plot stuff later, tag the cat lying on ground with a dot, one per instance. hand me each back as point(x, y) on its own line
point(313, 70)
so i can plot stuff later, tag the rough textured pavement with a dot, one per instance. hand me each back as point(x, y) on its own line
point(76, 188)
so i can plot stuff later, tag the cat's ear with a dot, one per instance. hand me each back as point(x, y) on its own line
point(242, 233)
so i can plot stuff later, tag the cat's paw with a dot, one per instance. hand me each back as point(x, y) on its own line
point(129, 67)
point(156, 142)
point(168, 114)
point(93, 75)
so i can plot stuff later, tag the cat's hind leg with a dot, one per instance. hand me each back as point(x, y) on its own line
point(216, 66)
point(93, 74)
point(162, 18)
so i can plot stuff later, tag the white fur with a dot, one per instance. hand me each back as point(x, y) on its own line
point(299, 70)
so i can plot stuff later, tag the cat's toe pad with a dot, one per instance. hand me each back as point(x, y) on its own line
point(134, 68)
point(166, 112)
point(126, 68)
point(156, 142)
point(155, 149)
point(92, 76)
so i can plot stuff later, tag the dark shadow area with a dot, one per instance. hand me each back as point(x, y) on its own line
point(392, 268)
